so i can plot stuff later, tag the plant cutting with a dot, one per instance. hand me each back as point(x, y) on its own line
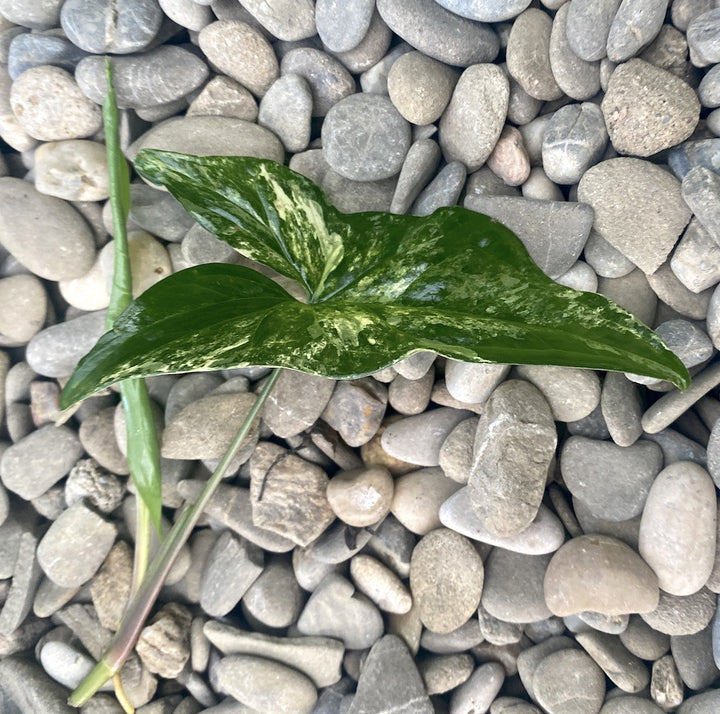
point(353, 294)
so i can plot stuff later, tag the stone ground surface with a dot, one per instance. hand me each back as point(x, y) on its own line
point(438, 536)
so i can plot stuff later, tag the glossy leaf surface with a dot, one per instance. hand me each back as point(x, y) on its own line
point(379, 287)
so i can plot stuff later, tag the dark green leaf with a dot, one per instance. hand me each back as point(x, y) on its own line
point(455, 282)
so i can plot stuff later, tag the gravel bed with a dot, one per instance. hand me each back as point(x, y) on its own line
point(440, 536)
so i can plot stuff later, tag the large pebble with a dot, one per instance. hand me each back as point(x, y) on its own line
point(638, 208)
point(380, 584)
point(224, 97)
point(446, 597)
point(678, 528)
point(475, 116)
point(514, 444)
point(648, 109)
point(582, 693)
point(623, 668)
point(471, 382)
point(356, 409)
point(342, 26)
point(602, 574)
point(635, 25)
point(50, 106)
point(75, 546)
point(37, 16)
point(365, 138)
point(420, 163)
point(702, 36)
point(47, 235)
point(265, 685)
point(479, 691)
point(613, 481)
point(274, 600)
point(163, 75)
point(696, 258)
point(100, 26)
point(438, 33)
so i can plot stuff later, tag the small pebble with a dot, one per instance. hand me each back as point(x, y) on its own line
point(480, 689)
point(380, 584)
point(582, 693)
point(164, 644)
point(362, 496)
point(634, 26)
point(286, 110)
point(274, 599)
point(682, 614)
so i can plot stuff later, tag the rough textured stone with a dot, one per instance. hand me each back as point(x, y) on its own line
point(164, 644)
point(683, 614)
point(356, 409)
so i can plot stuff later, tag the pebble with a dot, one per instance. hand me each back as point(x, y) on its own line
point(380, 584)
point(574, 139)
point(264, 685)
point(643, 641)
point(602, 574)
point(613, 481)
point(700, 188)
point(624, 669)
point(416, 365)
point(509, 159)
point(390, 682)
point(676, 296)
point(515, 413)
point(356, 409)
point(606, 261)
point(648, 109)
point(420, 164)
point(97, 435)
point(164, 644)
point(418, 496)
point(459, 640)
point(705, 703)
point(512, 705)
point(471, 125)
point(192, 15)
point(682, 614)
point(336, 610)
point(39, 17)
point(445, 597)
point(110, 588)
point(223, 96)
point(621, 407)
point(342, 28)
point(75, 170)
point(528, 55)
point(392, 544)
point(231, 567)
point(75, 546)
point(88, 480)
point(411, 396)
point(286, 110)
point(529, 659)
point(634, 26)
point(28, 50)
point(693, 655)
point(288, 20)
point(638, 208)
point(200, 246)
point(478, 692)
point(582, 694)
point(666, 687)
point(443, 673)
point(365, 138)
point(26, 576)
point(513, 587)
point(696, 258)
point(702, 38)
point(545, 533)
point(25, 306)
point(362, 496)
point(101, 27)
point(473, 383)
point(713, 318)
point(575, 76)
point(420, 87)
point(288, 495)
point(370, 50)
point(317, 657)
point(553, 232)
point(693, 154)
point(456, 451)
point(709, 88)
point(440, 34)
point(678, 528)
point(66, 664)
point(588, 27)
point(210, 136)
point(274, 599)
point(329, 81)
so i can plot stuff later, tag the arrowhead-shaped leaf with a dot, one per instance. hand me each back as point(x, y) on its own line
point(379, 287)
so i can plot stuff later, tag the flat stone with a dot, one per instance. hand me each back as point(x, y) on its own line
point(75, 545)
point(624, 669)
point(545, 533)
point(445, 597)
point(439, 33)
point(339, 543)
point(471, 125)
point(634, 26)
point(638, 208)
point(362, 496)
point(534, 220)
point(102, 27)
point(319, 658)
point(456, 452)
point(515, 414)
point(356, 409)
point(621, 407)
point(605, 260)
point(210, 136)
point(25, 580)
point(481, 688)
point(288, 96)
point(582, 693)
point(418, 497)
point(40, 17)
point(288, 20)
point(442, 673)
point(459, 640)
point(613, 481)
point(231, 567)
point(678, 528)
point(264, 684)
point(648, 109)
point(443, 190)
point(336, 610)
point(288, 496)
point(602, 574)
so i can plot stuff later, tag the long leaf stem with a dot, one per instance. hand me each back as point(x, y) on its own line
point(140, 606)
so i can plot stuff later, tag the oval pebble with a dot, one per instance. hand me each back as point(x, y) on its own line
point(34, 50)
point(25, 306)
point(635, 25)
point(362, 496)
point(380, 584)
point(678, 528)
point(288, 20)
point(418, 497)
point(286, 110)
point(582, 693)
point(446, 597)
point(75, 170)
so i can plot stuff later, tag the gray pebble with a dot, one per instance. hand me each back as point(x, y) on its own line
point(420, 163)
point(159, 213)
point(713, 453)
point(97, 435)
point(682, 12)
point(643, 641)
point(705, 703)
point(456, 452)
point(582, 693)
point(701, 191)
point(25, 579)
point(696, 258)
point(638, 208)
point(443, 190)
point(365, 138)
point(342, 26)
point(588, 27)
point(288, 20)
point(621, 408)
point(713, 318)
point(224, 97)
point(486, 10)
point(481, 688)
point(624, 669)
point(632, 292)
point(211, 136)
point(25, 306)
point(459, 640)
point(393, 544)
point(691, 154)
point(200, 246)
point(34, 50)
point(187, 13)
point(350, 196)
point(553, 232)
point(682, 615)
point(676, 447)
point(648, 109)
point(473, 383)
point(690, 343)
point(702, 37)
point(101, 26)
point(163, 75)
point(529, 659)
point(522, 108)
point(438, 33)
point(274, 600)
point(356, 409)
point(635, 25)
point(75, 546)
point(528, 55)
point(512, 705)
point(66, 664)
point(442, 673)
point(574, 140)
point(709, 89)
point(370, 50)
point(613, 481)
point(339, 543)
point(666, 687)
point(693, 656)
point(286, 110)
point(577, 77)
point(329, 81)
